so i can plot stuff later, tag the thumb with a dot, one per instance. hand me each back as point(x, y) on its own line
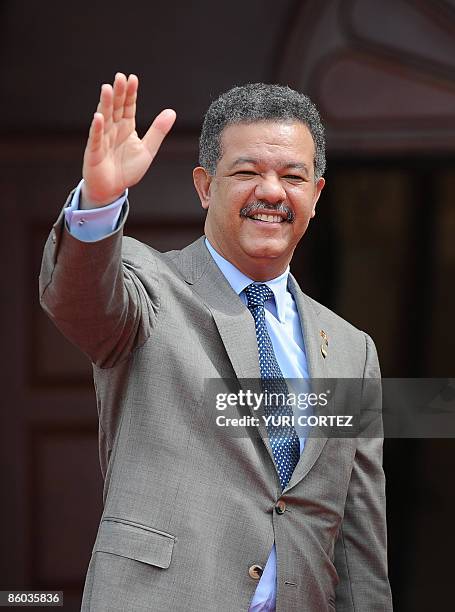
point(158, 130)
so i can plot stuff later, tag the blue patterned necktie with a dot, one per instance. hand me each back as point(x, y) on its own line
point(283, 439)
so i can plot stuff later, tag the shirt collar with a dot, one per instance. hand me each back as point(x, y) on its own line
point(240, 281)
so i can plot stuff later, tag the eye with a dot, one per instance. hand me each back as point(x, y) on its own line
point(245, 173)
point(293, 177)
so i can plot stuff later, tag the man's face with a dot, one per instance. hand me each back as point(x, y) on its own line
point(262, 197)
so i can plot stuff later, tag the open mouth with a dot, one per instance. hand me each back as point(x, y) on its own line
point(267, 213)
point(267, 218)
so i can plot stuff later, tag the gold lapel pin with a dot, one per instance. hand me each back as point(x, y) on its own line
point(324, 344)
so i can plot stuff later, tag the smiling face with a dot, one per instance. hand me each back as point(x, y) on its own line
point(262, 196)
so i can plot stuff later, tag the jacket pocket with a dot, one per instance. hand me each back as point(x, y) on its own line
point(135, 541)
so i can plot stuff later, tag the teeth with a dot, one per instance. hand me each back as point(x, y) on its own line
point(268, 218)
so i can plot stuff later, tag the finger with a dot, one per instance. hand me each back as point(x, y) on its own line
point(158, 130)
point(119, 96)
point(95, 136)
point(105, 106)
point(129, 108)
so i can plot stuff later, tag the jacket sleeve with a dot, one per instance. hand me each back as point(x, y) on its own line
point(361, 548)
point(95, 297)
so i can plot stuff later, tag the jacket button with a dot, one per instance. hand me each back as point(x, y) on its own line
point(255, 572)
point(280, 507)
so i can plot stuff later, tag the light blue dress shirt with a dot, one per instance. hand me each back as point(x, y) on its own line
point(94, 224)
point(282, 320)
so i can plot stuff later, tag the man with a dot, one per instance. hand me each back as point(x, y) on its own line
point(196, 518)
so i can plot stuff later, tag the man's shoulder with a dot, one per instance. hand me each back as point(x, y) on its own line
point(326, 313)
point(188, 262)
point(328, 319)
point(134, 249)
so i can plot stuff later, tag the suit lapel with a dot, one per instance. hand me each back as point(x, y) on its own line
point(317, 368)
point(309, 319)
point(233, 320)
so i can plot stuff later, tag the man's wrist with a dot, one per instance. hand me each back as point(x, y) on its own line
point(92, 224)
point(88, 202)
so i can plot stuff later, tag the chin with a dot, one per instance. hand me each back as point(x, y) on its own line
point(265, 252)
point(266, 249)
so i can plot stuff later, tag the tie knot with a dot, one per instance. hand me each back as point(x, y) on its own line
point(257, 295)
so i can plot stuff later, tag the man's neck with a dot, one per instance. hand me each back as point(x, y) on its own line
point(258, 270)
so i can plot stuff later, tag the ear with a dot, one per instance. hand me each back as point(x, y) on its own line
point(317, 192)
point(202, 181)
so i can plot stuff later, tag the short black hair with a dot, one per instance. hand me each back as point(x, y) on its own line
point(259, 102)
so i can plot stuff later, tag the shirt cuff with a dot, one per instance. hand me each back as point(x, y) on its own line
point(93, 224)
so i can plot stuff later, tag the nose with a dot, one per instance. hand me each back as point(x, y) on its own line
point(269, 189)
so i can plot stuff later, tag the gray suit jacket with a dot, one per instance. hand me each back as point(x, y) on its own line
point(189, 508)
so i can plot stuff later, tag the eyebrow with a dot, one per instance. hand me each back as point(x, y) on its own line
point(253, 160)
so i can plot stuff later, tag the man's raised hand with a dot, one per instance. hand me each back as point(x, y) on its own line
point(115, 157)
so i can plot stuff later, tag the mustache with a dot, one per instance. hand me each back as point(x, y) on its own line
point(251, 208)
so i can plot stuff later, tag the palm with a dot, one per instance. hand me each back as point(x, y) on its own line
point(121, 161)
point(115, 157)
